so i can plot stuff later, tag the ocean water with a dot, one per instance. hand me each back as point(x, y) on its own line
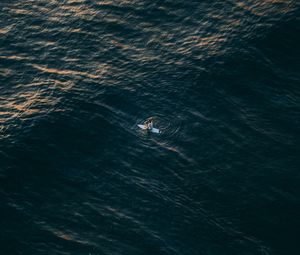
point(221, 80)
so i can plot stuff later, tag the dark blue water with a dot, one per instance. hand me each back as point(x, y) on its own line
point(221, 80)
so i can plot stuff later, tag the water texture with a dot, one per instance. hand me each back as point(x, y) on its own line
point(221, 81)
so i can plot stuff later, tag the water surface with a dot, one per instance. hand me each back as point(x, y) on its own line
point(221, 80)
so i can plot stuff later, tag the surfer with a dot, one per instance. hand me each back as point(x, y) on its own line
point(149, 123)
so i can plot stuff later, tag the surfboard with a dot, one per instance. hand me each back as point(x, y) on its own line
point(153, 130)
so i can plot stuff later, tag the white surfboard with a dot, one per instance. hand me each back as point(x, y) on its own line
point(153, 130)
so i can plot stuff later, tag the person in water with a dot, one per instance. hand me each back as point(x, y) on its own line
point(149, 123)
